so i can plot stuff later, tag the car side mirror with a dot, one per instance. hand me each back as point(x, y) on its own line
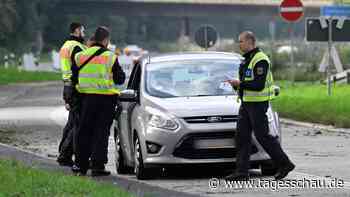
point(128, 95)
point(276, 90)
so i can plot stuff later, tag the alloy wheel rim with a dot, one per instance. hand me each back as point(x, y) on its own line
point(117, 156)
point(137, 156)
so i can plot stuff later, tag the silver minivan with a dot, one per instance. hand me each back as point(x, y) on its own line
point(177, 110)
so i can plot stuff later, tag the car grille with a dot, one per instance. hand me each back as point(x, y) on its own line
point(186, 147)
point(211, 119)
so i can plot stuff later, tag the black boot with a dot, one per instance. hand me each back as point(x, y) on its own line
point(284, 170)
point(78, 171)
point(64, 161)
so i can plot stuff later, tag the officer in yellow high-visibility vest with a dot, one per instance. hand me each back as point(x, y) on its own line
point(255, 91)
point(72, 45)
point(99, 74)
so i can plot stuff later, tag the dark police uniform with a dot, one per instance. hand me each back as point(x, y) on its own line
point(71, 97)
point(97, 83)
point(252, 113)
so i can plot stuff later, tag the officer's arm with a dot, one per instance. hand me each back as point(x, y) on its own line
point(260, 73)
point(76, 50)
point(68, 89)
point(118, 73)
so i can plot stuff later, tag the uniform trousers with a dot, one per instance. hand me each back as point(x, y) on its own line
point(94, 129)
point(66, 147)
point(252, 118)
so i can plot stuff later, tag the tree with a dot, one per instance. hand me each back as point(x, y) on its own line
point(8, 16)
point(29, 23)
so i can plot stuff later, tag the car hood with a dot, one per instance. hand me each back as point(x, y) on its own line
point(198, 106)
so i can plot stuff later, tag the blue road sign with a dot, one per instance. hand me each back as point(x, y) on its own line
point(335, 11)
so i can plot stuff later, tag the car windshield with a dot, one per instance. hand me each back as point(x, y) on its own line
point(189, 78)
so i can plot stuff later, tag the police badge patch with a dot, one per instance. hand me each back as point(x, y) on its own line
point(248, 73)
point(260, 71)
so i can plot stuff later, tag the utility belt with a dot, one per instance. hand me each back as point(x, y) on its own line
point(103, 96)
point(67, 83)
point(70, 94)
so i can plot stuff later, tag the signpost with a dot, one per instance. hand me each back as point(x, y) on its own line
point(329, 56)
point(335, 11)
point(291, 11)
point(317, 29)
point(331, 26)
point(206, 36)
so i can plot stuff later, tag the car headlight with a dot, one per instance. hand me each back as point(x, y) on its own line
point(161, 120)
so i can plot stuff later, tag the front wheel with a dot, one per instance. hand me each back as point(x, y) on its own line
point(120, 165)
point(140, 171)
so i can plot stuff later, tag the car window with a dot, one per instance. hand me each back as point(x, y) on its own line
point(191, 78)
point(135, 76)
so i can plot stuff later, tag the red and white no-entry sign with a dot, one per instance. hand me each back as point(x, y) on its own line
point(291, 10)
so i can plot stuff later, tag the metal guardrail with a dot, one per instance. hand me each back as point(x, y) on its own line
point(343, 77)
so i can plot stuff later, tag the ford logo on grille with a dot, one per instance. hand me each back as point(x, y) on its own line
point(214, 119)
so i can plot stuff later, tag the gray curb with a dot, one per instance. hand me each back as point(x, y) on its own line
point(135, 187)
point(315, 126)
point(21, 89)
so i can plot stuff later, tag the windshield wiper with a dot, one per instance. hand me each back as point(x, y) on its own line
point(203, 95)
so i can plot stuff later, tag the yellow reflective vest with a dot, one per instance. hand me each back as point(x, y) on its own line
point(96, 77)
point(65, 58)
point(267, 93)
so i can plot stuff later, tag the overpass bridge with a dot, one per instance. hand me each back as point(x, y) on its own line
point(234, 14)
point(180, 8)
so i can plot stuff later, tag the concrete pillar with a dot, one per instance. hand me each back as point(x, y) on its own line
point(187, 26)
point(184, 27)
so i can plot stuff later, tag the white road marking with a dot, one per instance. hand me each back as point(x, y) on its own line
point(59, 115)
point(27, 115)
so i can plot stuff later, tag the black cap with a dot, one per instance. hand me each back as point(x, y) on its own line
point(74, 26)
point(101, 33)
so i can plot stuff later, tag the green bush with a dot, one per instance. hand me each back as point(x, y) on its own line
point(297, 74)
point(309, 102)
point(307, 58)
point(344, 54)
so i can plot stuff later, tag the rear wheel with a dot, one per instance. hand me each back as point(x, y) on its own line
point(120, 165)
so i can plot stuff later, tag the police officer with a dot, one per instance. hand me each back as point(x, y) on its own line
point(72, 45)
point(99, 74)
point(255, 91)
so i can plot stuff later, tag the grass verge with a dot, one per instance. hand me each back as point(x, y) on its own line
point(310, 103)
point(12, 75)
point(19, 180)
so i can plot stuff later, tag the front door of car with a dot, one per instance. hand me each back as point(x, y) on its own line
point(128, 108)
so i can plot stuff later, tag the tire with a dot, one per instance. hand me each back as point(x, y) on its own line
point(120, 165)
point(268, 169)
point(140, 171)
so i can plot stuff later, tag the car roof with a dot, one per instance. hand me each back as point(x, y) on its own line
point(193, 56)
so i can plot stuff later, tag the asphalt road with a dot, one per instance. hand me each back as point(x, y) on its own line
point(32, 117)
